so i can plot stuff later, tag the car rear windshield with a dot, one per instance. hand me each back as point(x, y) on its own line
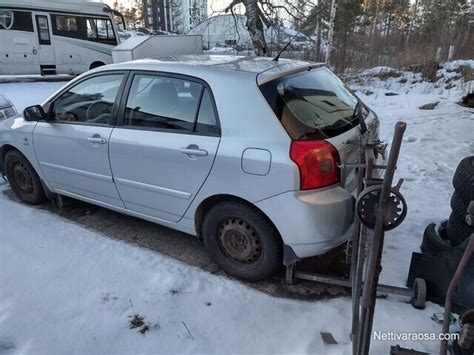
point(313, 104)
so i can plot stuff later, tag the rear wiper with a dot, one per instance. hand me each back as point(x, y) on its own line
point(357, 114)
point(337, 124)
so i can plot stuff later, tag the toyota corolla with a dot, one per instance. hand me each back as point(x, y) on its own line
point(244, 153)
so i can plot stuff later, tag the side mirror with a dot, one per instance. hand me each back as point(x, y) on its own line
point(34, 113)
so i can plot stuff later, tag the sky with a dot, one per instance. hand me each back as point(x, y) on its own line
point(213, 5)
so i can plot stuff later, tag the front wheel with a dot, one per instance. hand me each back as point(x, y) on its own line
point(242, 241)
point(23, 178)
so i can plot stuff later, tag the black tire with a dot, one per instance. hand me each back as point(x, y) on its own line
point(419, 289)
point(242, 241)
point(23, 178)
point(459, 206)
point(434, 239)
point(463, 180)
point(458, 230)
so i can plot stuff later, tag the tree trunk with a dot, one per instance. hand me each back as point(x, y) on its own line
point(412, 21)
point(331, 32)
point(377, 8)
point(319, 29)
point(255, 27)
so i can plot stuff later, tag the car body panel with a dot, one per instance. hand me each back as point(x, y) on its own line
point(164, 181)
point(18, 133)
point(70, 162)
point(312, 221)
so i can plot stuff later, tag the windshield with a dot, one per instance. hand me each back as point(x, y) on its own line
point(314, 104)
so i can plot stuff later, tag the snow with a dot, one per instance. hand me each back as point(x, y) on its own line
point(450, 83)
point(26, 94)
point(68, 289)
point(459, 63)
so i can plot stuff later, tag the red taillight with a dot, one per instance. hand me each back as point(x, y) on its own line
point(318, 163)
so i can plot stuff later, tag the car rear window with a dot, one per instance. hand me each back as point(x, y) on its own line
point(313, 104)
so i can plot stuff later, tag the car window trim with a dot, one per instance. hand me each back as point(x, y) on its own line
point(198, 109)
point(204, 84)
point(115, 108)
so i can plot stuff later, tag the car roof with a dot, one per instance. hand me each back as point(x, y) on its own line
point(264, 68)
point(84, 7)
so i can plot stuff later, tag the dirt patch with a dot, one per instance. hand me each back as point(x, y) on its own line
point(430, 106)
point(190, 250)
point(468, 100)
point(387, 74)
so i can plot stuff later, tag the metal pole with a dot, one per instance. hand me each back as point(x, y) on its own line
point(373, 263)
point(359, 268)
point(356, 255)
point(452, 289)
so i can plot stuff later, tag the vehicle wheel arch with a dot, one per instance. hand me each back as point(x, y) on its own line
point(211, 201)
point(3, 152)
point(96, 64)
point(38, 193)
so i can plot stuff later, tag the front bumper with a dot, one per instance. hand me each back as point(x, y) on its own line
point(311, 222)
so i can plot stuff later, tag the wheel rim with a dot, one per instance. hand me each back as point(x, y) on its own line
point(22, 178)
point(239, 241)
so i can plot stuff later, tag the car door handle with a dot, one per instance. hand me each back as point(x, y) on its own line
point(97, 139)
point(193, 150)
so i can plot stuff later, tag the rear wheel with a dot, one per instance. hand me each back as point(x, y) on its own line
point(242, 241)
point(23, 178)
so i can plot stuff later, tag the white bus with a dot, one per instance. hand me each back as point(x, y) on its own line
point(50, 38)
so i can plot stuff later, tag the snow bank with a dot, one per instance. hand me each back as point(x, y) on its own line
point(455, 64)
point(450, 79)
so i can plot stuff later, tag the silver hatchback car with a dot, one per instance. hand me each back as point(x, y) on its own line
point(243, 153)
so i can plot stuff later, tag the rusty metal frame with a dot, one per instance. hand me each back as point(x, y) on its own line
point(365, 270)
point(452, 291)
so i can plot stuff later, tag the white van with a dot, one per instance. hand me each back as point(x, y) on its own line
point(50, 38)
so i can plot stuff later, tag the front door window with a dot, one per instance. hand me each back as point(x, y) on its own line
point(90, 101)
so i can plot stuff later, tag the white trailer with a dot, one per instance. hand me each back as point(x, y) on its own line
point(55, 38)
point(156, 47)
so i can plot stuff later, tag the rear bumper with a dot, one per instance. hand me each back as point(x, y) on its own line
point(311, 222)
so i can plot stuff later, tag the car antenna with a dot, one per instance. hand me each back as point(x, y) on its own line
point(286, 46)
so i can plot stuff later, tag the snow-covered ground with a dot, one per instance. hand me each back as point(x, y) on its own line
point(65, 289)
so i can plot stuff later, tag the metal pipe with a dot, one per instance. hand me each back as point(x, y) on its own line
point(452, 289)
point(355, 255)
point(339, 281)
point(358, 268)
point(373, 263)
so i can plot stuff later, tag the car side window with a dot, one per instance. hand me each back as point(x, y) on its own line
point(206, 121)
point(90, 101)
point(162, 103)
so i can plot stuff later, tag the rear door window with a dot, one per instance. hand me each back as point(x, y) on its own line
point(313, 104)
point(207, 121)
point(162, 103)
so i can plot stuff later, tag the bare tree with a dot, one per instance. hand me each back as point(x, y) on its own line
point(255, 24)
point(331, 31)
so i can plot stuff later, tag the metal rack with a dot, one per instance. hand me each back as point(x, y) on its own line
point(379, 207)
